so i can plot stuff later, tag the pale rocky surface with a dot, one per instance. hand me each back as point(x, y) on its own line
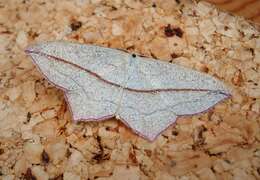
point(39, 139)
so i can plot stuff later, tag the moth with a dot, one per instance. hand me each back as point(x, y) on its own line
point(144, 93)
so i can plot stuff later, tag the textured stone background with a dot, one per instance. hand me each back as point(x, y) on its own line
point(39, 140)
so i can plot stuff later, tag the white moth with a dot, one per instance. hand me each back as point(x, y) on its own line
point(146, 94)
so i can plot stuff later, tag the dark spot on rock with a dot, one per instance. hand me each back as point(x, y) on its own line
point(42, 3)
point(68, 153)
point(173, 55)
point(205, 69)
point(226, 28)
point(166, 137)
point(133, 55)
point(20, 68)
point(154, 5)
point(99, 140)
point(75, 25)
point(62, 130)
point(153, 56)
point(171, 31)
point(201, 130)
point(252, 51)
point(213, 154)
point(6, 32)
point(135, 147)
point(168, 31)
point(76, 37)
point(28, 117)
point(113, 8)
point(175, 133)
point(198, 136)
point(227, 161)
point(2, 151)
point(45, 157)
point(28, 175)
point(132, 157)
point(213, 170)
point(100, 155)
point(173, 163)
point(33, 34)
point(178, 32)
point(254, 36)
point(241, 33)
point(238, 79)
point(148, 152)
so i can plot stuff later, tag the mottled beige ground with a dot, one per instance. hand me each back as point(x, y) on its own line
point(38, 139)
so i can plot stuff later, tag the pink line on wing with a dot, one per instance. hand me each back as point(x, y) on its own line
point(119, 86)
